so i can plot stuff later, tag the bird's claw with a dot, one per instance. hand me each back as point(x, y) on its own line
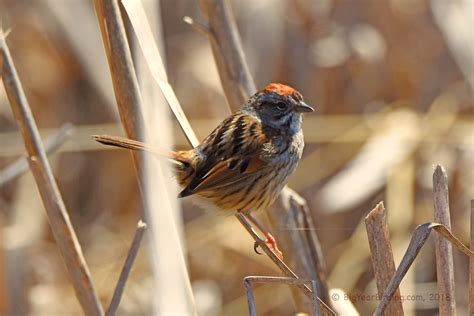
point(271, 243)
point(256, 245)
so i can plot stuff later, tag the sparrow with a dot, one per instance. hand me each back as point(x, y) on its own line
point(247, 159)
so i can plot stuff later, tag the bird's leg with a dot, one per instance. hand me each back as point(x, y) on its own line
point(269, 239)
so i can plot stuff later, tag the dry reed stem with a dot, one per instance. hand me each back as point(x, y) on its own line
point(228, 53)
point(124, 79)
point(302, 249)
point(60, 223)
point(444, 252)
point(417, 241)
point(471, 264)
point(382, 255)
point(51, 144)
point(248, 281)
point(127, 267)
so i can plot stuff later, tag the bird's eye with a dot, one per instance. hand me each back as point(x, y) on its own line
point(281, 106)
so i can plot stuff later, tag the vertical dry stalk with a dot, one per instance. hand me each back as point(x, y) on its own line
point(382, 255)
point(127, 267)
point(58, 217)
point(471, 264)
point(124, 79)
point(444, 253)
point(228, 53)
point(173, 287)
point(298, 241)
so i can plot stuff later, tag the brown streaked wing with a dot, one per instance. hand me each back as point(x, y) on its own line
point(232, 158)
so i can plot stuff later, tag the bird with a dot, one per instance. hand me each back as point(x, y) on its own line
point(244, 163)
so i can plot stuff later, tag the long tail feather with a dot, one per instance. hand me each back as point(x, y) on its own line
point(126, 143)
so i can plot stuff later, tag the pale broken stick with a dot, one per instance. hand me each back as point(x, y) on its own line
point(382, 255)
point(443, 249)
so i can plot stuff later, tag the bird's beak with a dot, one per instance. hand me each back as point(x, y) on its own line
point(302, 107)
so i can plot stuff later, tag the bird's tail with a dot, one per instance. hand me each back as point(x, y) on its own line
point(140, 146)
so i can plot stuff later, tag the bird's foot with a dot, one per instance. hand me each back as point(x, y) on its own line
point(271, 243)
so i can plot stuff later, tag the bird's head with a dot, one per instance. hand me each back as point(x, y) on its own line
point(280, 106)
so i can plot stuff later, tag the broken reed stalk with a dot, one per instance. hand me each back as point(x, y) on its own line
point(248, 281)
point(299, 242)
point(51, 144)
point(58, 217)
point(471, 264)
point(444, 252)
point(382, 255)
point(127, 267)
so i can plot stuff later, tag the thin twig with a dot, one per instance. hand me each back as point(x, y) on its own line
point(60, 223)
point(382, 255)
point(249, 280)
point(51, 144)
point(444, 252)
point(471, 264)
point(127, 267)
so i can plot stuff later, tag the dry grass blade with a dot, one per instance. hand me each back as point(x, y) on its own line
point(444, 251)
point(382, 255)
point(51, 144)
point(248, 281)
point(127, 267)
point(416, 243)
point(60, 223)
point(139, 21)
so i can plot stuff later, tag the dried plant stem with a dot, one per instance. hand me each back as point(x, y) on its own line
point(60, 223)
point(382, 255)
point(51, 144)
point(444, 252)
point(124, 79)
point(127, 267)
point(471, 264)
point(289, 214)
point(228, 53)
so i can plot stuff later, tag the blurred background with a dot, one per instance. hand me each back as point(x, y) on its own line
point(392, 82)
